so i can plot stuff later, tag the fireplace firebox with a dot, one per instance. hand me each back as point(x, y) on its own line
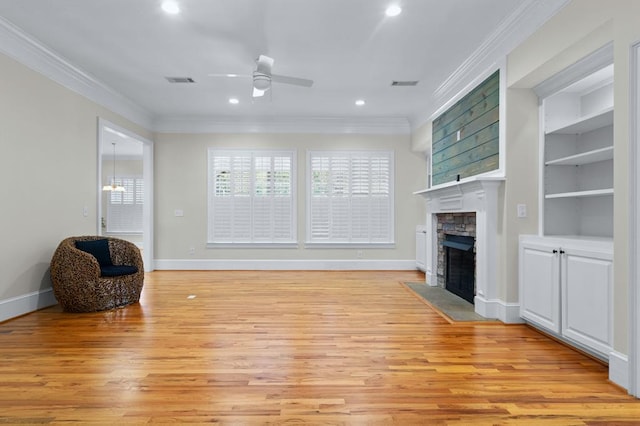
point(460, 265)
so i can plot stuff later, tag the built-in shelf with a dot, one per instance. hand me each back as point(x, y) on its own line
point(581, 194)
point(586, 123)
point(589, 157)
point(578, 150)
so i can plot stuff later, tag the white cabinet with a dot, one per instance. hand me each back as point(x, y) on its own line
point(540, 284)
point(587, 297)
point(566, 289)
point(577, 144)
point(421, 247)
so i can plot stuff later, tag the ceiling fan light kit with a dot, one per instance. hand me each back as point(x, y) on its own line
point(262, 77)
point(261, 81)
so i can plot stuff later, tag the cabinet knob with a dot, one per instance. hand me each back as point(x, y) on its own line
point(554, 251)
point(562, 252)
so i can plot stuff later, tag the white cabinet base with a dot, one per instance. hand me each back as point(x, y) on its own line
point(540, 285)
point(587, 298)
point(566, 289)
point(421, 248)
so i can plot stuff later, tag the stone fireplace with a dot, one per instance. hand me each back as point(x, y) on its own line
point(462, 224)
point(456, 253)
point(455, 203)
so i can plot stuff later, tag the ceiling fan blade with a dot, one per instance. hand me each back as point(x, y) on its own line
point(257, 93)
point(291, 80)
point(229, 75)
point(264, 64)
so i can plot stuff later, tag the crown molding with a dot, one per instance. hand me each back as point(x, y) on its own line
point(29, 51)
point(585, 66)
point(323, 125)
point(512, 31)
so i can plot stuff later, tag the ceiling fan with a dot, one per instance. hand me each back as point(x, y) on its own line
point(262, 77)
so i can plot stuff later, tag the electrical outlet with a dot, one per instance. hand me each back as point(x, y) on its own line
point(360, 254)
point(522, 210)
point(192, 251)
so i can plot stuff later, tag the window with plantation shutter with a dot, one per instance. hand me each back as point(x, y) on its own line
point(350, 197)
point(251, 197)
point(124, 209)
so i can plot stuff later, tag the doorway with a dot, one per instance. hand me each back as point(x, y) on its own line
point(125, 160)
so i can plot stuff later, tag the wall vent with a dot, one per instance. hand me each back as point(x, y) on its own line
point(180, 80)
point(404, 83)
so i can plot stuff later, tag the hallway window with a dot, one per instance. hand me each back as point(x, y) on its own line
point(124, 209)
point(350, 197)
point(251, 197)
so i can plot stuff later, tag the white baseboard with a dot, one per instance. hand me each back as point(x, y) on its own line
point(508, 313)
point(21, 305)
point(284, 265)
point(619, 369)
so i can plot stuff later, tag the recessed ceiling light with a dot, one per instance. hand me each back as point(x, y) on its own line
point(234, 101)
point(360, 102)
point(170, 7)
point(393, 10)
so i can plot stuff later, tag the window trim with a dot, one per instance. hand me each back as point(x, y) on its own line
point(289, 243)
point(309, 243)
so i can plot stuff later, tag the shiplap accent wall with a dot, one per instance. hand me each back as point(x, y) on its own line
point(466, 136)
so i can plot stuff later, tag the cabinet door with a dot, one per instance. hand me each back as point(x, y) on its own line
point(540, 285)
point(587, 294)
point(421, 250)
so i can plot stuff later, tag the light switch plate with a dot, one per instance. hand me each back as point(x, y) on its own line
point(178, 213)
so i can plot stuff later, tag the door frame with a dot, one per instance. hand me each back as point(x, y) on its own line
point(634, 221)
point(147, 175)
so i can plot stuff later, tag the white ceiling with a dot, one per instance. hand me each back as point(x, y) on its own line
point(348, 47)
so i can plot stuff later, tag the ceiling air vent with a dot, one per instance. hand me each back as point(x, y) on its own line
point(180, 80)
point(404, 83)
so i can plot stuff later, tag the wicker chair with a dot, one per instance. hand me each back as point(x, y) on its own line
point(79, 284)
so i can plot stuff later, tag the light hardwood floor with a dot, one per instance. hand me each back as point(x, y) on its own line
point(293, 348)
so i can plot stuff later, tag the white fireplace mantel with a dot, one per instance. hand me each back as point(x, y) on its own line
point(480, 195)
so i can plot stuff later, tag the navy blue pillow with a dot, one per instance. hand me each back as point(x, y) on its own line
point(117, 270)
point(98, 248)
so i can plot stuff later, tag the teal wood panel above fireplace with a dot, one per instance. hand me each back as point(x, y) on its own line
point(466, 136)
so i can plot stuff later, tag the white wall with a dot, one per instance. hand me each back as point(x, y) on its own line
point(48, 167)
point(181, 183)
point(521, 186)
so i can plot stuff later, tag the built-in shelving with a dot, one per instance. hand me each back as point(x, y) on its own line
point(577, 151)
point(566, 272)
point(593, 156)
point(580, 194)
point(586, 123)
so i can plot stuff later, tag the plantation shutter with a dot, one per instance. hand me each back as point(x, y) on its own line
point(251, 197)
point(124, 209)
point(350, 197)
